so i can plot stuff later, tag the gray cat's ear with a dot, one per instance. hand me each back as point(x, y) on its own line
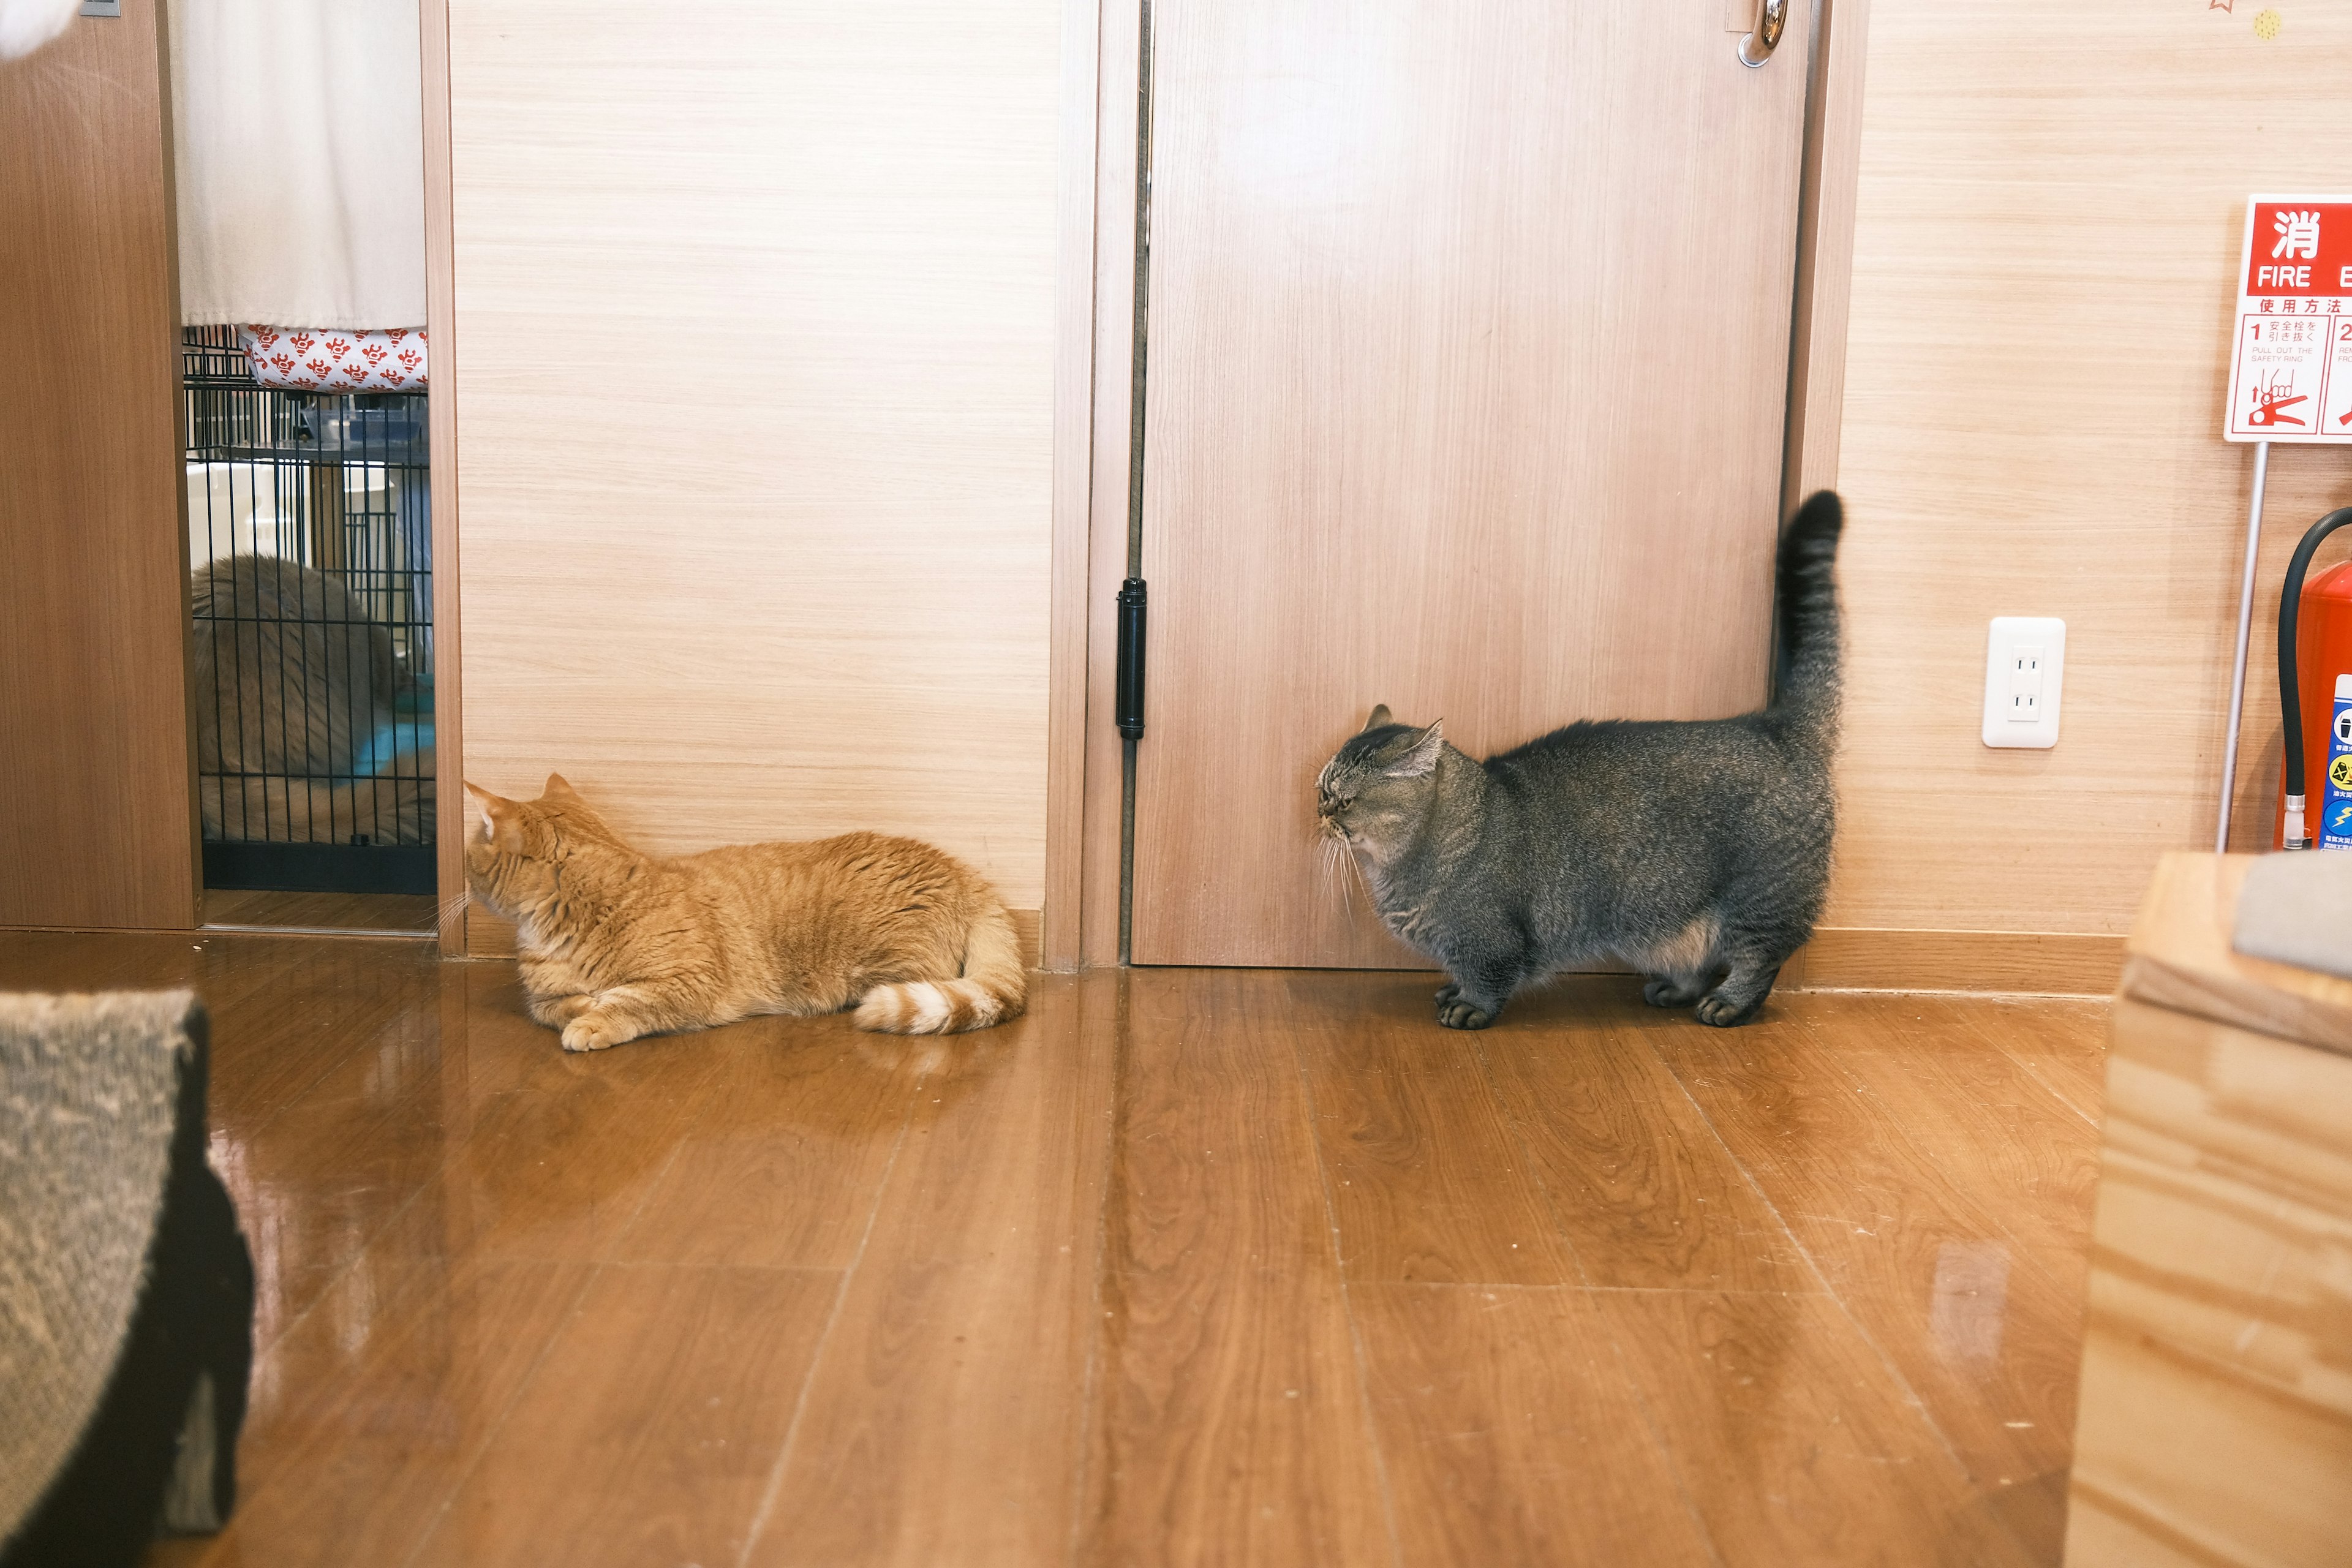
point(1420, 754)
point(1380, 716)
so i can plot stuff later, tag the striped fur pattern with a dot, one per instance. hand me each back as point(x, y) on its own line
point(293, 678)
point(614, 943)
point(291, 673)
point(1696, 853)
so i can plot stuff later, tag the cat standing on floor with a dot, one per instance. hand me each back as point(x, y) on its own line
point(615, 943)
point(1696, 852)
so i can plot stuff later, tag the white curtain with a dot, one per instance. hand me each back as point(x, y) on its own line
point(298, 130)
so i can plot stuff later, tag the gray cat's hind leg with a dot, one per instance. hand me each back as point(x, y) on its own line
point(1680, 968)
point(1741, 992)
point(1674, 990)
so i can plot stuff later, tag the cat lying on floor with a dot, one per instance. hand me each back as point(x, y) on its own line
point(1696, 852)
point(615, 943)
point(295, 686)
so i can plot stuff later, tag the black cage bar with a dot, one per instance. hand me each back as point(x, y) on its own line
point(311, 591)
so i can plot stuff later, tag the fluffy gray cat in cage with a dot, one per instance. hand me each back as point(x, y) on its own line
point(295, 680)
point(1696, 852)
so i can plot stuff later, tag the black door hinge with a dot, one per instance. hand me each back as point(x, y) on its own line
point(1127, 704)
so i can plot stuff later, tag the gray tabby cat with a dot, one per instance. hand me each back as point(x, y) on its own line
point(1694, 852)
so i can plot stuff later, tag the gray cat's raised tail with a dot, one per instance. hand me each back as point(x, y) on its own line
point(1805, 687)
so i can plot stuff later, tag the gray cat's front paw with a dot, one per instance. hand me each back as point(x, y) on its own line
point(1666, 993)
point(1457, 1013)
point(1445, 993)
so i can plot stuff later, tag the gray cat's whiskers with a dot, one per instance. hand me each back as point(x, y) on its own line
point(1330, 852)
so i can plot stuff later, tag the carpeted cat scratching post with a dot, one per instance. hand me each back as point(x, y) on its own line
point(126, 1290)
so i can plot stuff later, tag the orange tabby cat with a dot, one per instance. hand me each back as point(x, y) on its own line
point(615, 943)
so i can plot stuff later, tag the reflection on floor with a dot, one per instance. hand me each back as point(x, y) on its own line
point(321, 911)
point(1216, 1267)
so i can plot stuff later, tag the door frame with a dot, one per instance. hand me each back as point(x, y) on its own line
point(1093, 409)
point(126, 574)
point(441, 415)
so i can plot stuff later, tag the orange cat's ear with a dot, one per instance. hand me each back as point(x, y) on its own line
point(557, 785)
point(493, 812)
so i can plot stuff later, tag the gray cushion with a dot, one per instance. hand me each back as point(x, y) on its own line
point(2296, 908)
point(126, 1290)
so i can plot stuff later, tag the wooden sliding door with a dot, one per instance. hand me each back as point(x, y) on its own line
point(97, 806)
point(1468, 362)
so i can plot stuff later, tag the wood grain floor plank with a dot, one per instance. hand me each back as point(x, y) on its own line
point(2062, 1042)
point(346, 912)
point(1638, 1181)
point(371, 1411)
point(648, 1431)
point(1795, 1444)
point(432, 1187)
point(946, 1420)
point(284, 1009)
point(1511, 1433)
point(1231, 1427)
point(2033, 1156)
point(1428, 1184)
point(88, 961)
point(559, 1161)
point(1904, 1225)
point(321, 1010)
point(780, 1160)
point(325, 1070)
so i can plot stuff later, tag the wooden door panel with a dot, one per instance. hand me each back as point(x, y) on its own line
point(1468, 363)
point(96, 802)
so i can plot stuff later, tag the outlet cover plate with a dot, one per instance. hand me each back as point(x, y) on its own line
point(2008, 635)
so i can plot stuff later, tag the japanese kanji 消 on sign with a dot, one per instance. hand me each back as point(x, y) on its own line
point(2291, 374)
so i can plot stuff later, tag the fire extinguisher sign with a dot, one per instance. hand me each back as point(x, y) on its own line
point(2291, 369)
point(2336, 804)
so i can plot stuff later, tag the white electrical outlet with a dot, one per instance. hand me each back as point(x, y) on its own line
point(2025, 667)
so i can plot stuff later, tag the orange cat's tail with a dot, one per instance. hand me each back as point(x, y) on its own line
point(994, 988)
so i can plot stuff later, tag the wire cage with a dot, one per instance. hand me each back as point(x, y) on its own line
point(311, 590)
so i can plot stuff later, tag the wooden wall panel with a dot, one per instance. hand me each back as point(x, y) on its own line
point(97, 769)
point(2050, 206)
point(1074, 395)
point(758, 310)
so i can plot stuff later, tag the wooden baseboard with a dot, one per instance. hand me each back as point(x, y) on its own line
point(2046, 963)
point(488, 936)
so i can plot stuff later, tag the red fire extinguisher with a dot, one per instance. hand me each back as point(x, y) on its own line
point(2315, 698)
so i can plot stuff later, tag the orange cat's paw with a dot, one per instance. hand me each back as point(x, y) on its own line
point(557, 1011)
point(589, 1033)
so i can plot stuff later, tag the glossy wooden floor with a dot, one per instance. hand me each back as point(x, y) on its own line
point(1213, 1267)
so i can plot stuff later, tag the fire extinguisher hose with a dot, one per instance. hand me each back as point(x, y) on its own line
point(2289, 694)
